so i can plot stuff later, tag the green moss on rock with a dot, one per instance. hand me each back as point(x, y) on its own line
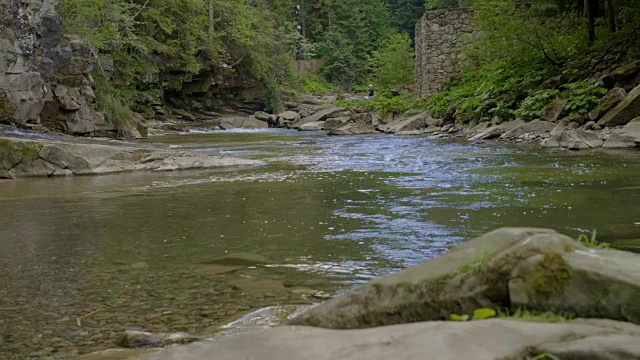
point(7, 108)
point(551, 275)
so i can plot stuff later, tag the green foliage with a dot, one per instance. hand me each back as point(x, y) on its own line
point(525, 314)
point(478, 314)
point(521, 47)
point(315, 84)
point(583, 96)
point(346, 32)
point(532, 106)
point(393, 62)
point(384, 104)
point(591, 241)
point(340, 65)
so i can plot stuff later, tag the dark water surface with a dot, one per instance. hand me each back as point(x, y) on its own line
point(83, 258)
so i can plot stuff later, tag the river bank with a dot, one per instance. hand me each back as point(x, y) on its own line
point(614, 123)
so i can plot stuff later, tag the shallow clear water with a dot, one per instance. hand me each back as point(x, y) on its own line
point(83, 258)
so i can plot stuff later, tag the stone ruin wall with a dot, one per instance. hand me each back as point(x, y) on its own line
point(439, 34)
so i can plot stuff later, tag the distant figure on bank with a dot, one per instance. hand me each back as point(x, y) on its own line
point(370, 91)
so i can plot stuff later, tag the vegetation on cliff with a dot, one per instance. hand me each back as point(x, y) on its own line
point(532, 52)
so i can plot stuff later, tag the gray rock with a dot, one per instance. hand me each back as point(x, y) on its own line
point(624, 72)
point(312, 126)
point(553, 111)
point(289, 116)
point(358, 125)
point(619, 141)
point(319, 115)
point(69, 98)
point(573, 125)
point(533, 127)
point(243, 123)
point(589, 125)
point(29, 158)
point(573, 139)
point(136, 339)
point(496, 131)
point(481, 127)
point(625, 137)
point(416, 122)
point(261, 115)
point(479, 340)
point(510, 267)
point(626, 110)
point(608, 102)
point(335, 122)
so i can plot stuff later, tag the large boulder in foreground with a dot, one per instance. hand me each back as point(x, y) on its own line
point(506, 268)
point(478, 340)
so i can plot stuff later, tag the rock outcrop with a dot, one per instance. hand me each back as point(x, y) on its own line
point(478, 340)
point(44, 77)
point(626, 137)
point(27, 158)
point(574, 139)
point(507, 268)
point(626, 110)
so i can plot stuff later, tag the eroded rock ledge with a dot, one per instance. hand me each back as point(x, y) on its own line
point(29, 158)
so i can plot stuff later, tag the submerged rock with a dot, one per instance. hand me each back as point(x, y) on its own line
point(238, 259)
point(510, 267)
point(136, 339)
point(477, 340)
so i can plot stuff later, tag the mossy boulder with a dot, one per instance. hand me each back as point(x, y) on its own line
point(505, 269)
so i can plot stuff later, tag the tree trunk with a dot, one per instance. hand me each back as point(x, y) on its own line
point(211, 18)
point(611, 14)
point(590, 13)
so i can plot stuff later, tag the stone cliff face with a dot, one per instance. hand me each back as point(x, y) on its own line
point(44, 78)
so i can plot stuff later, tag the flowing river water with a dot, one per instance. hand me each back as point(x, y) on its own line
point(83, 258)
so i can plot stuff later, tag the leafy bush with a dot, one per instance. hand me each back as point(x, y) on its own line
point(385, 103)
point(316, 84)
point(583, 96)
point(533, 104)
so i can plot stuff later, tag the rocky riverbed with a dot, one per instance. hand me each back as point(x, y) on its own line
point(401, 315)
point(614, 123)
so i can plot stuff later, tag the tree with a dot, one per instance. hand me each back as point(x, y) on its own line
point(393, 62)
